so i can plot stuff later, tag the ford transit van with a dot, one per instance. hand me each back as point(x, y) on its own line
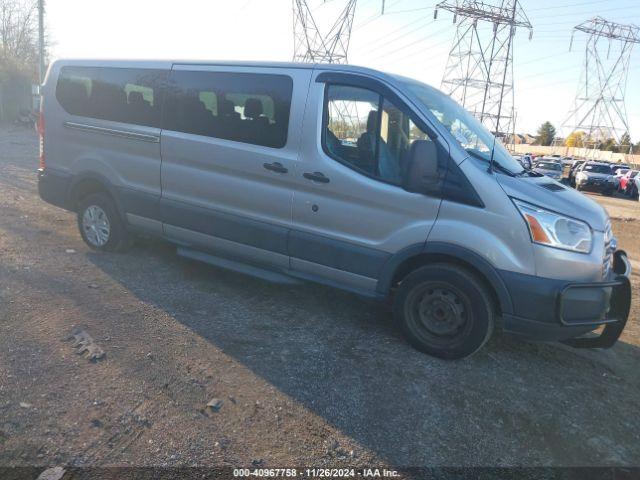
point(353, 178)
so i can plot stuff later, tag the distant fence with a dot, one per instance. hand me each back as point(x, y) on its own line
point(632, 159)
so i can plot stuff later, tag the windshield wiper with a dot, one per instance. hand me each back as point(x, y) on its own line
point(495, 165)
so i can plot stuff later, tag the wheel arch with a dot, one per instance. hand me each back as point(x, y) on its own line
point(415, 256)
point(85, 184)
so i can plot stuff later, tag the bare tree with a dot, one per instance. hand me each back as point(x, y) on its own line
point(18, 34)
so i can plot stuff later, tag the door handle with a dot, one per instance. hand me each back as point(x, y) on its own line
point(275, 167)
point(316, 177)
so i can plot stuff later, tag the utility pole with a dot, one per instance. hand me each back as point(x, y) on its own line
point(599, 106)
point(41, 65)
point(479, 71)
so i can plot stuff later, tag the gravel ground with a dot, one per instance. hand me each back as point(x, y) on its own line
point(307, 375)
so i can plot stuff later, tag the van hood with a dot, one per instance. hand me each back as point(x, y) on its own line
point(554, 196)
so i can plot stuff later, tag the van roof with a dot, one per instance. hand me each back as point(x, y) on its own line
point(167, 64)
point(160, 63)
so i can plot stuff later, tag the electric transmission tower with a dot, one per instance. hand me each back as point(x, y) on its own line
point(599, 107)
point(479, 71)
point(311, 45)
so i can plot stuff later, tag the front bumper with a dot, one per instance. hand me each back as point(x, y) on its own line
point(594, 186)
point(552, 310)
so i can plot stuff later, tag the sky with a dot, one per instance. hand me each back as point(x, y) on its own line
point(405, 40)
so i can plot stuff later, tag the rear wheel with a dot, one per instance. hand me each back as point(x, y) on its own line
point(100, 225)
point(444, 310)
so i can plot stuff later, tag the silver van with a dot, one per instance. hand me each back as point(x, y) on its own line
point(369, 182)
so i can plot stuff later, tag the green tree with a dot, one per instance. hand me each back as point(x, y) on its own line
point(625, 143)
point(546, 133)
point(609, 145)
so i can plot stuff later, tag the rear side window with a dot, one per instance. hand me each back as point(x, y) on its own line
point(128, 95)
point(244, 107)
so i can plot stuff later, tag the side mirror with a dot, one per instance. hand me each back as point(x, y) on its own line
point(422, 167)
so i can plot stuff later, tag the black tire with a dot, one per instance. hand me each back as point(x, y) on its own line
point(607, 192)
point(444, 310)
point(118, 239)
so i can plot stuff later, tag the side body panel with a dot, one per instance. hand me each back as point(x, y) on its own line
point(496, 232)
point(125, 155)
point(215, 189)
point(347, 229)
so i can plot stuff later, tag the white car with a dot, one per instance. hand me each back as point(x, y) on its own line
point(636, 188)
point(620, 172)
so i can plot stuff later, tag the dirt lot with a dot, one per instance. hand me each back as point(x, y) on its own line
point(307, 375)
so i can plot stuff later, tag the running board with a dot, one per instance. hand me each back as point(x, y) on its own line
point(252, 270)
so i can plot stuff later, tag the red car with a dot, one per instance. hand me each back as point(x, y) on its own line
point(626, 183)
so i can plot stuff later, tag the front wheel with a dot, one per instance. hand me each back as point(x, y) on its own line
point(100, 224)
point(444, 310)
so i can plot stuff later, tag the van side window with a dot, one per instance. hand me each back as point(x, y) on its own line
point(244, 107)
point(368, 133)
point(128, 95)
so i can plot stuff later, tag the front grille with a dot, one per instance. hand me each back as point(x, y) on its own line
point(609, 248)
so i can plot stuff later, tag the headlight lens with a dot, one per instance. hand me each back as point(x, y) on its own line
point(554, 230)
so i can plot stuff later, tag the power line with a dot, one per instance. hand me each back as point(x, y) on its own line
point(568, 6)
point(386, 40)
point(414, 42)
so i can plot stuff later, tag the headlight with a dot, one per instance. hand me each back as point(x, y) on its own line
point(554, 230)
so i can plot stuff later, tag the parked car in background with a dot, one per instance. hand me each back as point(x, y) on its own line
point(550, 168)
point(619, 166)
point(524, 160)
point(619, 173)
point(626, 182)
point(573, 170)
point(635, 193)
point(595, 176)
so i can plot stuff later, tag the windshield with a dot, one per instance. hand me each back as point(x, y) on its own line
point(464, 127)
point(597, 168)
point(549, 166)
